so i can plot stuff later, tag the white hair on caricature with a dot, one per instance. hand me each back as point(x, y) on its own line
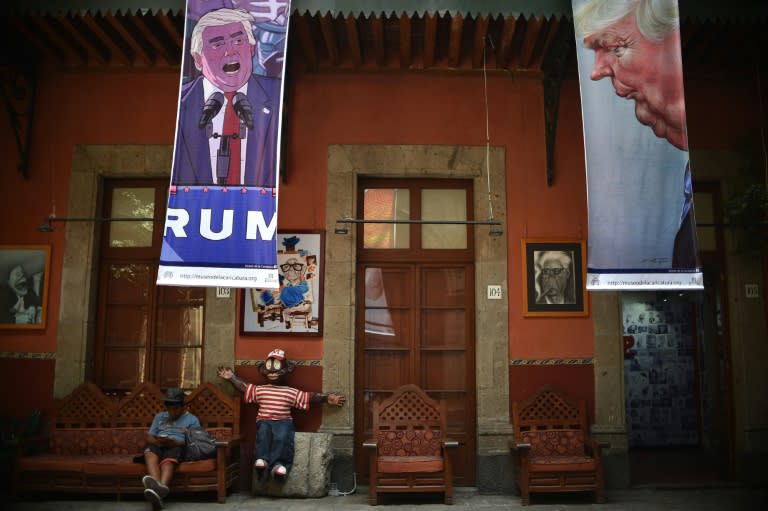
point(654, 18)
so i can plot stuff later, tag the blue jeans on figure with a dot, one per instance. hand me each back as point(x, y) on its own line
point(274, 443)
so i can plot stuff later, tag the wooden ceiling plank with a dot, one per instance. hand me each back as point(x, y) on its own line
point(377, 33)
point(430, 39)
point(301, 25)
point(139, 54)
point(405, 41)
point(529, 42)
point(479, 42)
point(353, 38)
point(160, 48)
point(326, 27)
point(31, 35)
point(166, 21)
point(106, 40)
point(505, 45)
point(101, 55)
point(72, 54)
point(454, 41)
point(552, 28)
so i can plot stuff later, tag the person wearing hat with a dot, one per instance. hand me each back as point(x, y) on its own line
point(274, 424)
point(165, 446)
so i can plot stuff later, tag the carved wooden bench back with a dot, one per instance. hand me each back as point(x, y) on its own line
point(409, 423)
point(549, 409)
point(88, 407)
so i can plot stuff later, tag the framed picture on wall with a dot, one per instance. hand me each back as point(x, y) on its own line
point(296, 308)
point(554, 272)
point(24, 271)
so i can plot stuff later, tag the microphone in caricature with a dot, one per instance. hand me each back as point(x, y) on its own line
point(210, 109)
point(244, 111)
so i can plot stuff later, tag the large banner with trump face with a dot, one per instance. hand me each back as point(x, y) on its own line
point(221, 224)
point(642, 231)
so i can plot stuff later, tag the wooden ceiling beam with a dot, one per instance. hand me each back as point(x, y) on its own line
point(503, 52)
point(532, 32)
point(405, 41)
point(140, 56)
point(377, 34)
point(353, 39)
point(34, 37)
point(97, 54)
point(329, 38)
point(162, 51)
point(479, 42)
point(166, 21)
point(106, 40)
point(301, 26)
point(73, 55)
point(430, 39)
point(454, 41)
point(552, 26)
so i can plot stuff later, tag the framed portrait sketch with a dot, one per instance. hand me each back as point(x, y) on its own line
point(24, 273)
point(554, 272)
point(296, 307)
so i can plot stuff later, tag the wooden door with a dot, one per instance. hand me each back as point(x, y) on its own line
point(144, 332)
point(415, 319)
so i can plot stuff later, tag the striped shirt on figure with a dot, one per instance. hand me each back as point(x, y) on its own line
point(275, 402)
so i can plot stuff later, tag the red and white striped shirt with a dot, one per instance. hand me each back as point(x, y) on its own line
point(275, 402)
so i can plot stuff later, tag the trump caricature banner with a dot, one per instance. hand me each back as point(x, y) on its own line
point(221, 224)
point(642, 231)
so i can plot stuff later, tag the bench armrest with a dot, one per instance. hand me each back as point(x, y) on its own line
point(235, 440)
point(449, 443)
point(519, 446)
point(370, 444)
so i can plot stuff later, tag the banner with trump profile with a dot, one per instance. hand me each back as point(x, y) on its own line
point(642, 230)
point(221, 222)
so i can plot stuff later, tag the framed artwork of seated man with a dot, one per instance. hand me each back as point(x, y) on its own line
point(296, 306)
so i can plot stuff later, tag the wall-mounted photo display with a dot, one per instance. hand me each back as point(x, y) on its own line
point(24, 272)
point(553, 273)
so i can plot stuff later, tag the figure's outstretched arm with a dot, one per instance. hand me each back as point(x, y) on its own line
point(332, 398)
point(228, 374)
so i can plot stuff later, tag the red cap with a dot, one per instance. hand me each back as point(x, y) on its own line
point(277, 354)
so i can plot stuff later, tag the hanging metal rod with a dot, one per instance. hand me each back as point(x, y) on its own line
point(97, 219)
point(436, 222)
point(47, 225)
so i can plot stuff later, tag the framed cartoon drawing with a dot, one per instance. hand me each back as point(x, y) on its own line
point(553, 274)
point(296, 307)
point(24, 271)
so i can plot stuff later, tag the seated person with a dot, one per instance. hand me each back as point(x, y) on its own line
point(165, 446)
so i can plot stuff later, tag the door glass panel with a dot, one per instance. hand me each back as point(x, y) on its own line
point(444, 287)
point(128, 283)
point(385, 370)
point(178, 367)
point(443, 328)
point(126, 367)
point(444, 204)
point(132, 203)
point(443, 370)
point(387, 317)
point(386, 204)
point(180, 316)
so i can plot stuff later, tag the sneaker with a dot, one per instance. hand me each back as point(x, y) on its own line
point(279, 471)
point(260, 464)
point(153, 498)
point(150, 483)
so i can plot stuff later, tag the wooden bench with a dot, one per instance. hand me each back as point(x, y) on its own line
point(552, 448)
point(409, 448)
point(93, 443)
